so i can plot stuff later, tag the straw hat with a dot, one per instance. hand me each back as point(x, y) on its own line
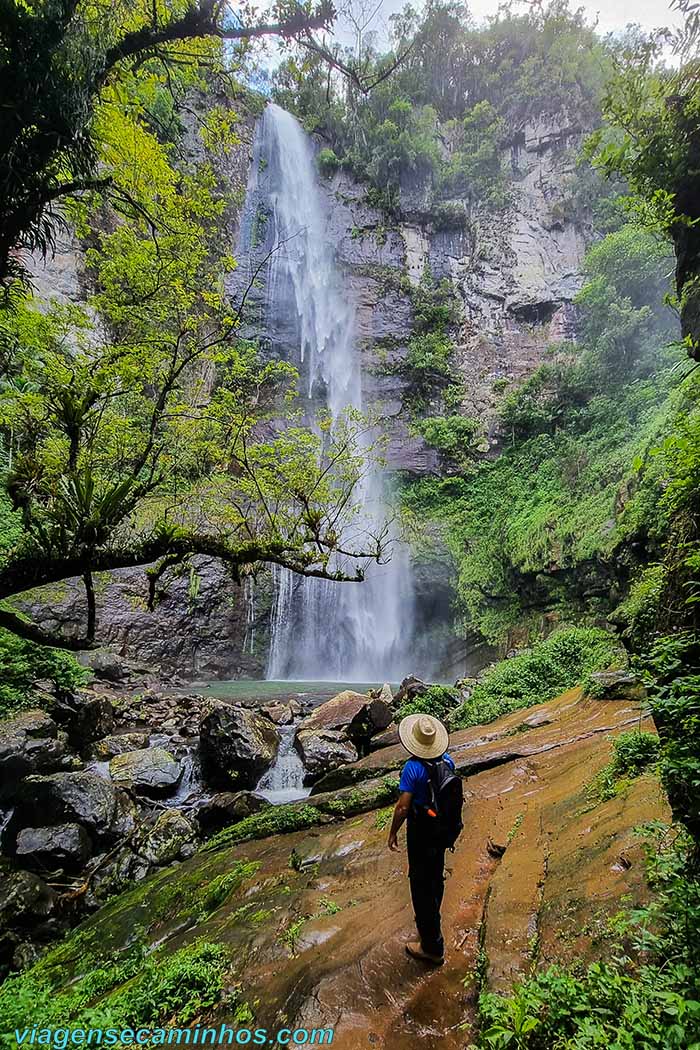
point(423, 735)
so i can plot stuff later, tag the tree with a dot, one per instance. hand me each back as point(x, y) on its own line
point(141, 429)
point(654, 144)
point(56, 56)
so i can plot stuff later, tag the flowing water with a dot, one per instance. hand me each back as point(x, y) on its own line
point(321, 629)
point(284, 780)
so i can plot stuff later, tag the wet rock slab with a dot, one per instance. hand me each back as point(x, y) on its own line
point(568, 718)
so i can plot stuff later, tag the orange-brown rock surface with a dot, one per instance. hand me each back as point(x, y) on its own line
point(318, 924)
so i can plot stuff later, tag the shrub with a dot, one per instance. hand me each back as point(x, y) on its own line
point(551, 666)
point(633, 752)
point(129, 990)
point(23, 663)
point(673, 668)
point(453, 436)
point(437, 700)
point(327, 162)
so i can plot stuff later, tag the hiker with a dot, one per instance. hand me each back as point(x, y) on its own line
point(431, 801)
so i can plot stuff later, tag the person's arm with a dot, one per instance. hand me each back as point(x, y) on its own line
point(401, 811)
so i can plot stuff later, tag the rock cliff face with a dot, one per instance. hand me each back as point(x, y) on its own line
point(515, 273)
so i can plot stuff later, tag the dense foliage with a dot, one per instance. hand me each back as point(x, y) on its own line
point(131, 990)
point(56, 56)
point(23, 663)
point(553, 665)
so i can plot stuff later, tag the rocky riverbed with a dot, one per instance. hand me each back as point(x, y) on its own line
point(106, 786)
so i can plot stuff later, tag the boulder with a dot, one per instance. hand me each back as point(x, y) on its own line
point(616, 685)
point(29, 743)
point(386, 694)
point(163, 842)
point(151, 771)
point(109, 668)
point(356, 715)
point(228, 807)
point(68, 798)
point(118, 744)
point(410, 688)
point(119, 873)
point(280, 714)
point(65, 846)
point(24, 898)
point(86, 717)
point(387, 738)
point(237, 746)
point(322, 750)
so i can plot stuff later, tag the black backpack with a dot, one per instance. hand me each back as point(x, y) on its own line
point(446, 800)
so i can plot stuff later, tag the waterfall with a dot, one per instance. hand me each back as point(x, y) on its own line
point(320, 629)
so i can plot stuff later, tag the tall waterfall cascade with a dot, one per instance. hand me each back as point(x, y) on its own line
point(321, 629)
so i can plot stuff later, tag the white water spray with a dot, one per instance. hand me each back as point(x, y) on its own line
point(320, 629)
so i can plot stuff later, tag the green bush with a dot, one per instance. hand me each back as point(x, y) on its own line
point(453, 436)
point(327, 162)
point(129, 990)
point(633, 752)
point(437, 700)
point(673, 669)
point(541, 673)
point(23, 663)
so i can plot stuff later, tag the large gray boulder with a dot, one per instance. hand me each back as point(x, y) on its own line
point(26, 906)
point(236, 746)
point(227, 807)
point(85, 716)
point(167, 838)
point(29, 743)
point(65, 846)
point(68, 798)
point(24, 898)
point(151, 771)
point(322, 750)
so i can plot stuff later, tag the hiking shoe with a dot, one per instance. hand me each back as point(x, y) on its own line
point(415, 949)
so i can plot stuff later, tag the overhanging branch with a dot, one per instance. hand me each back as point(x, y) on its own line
point(54, 640)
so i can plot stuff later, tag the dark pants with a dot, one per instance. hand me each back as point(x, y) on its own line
point(426, 875)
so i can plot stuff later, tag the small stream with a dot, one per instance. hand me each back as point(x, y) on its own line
point(284, 780)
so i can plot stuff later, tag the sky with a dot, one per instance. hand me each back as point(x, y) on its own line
point(612, 16)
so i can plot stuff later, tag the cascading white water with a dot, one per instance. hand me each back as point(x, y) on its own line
point(284, 780)
point(323, 630)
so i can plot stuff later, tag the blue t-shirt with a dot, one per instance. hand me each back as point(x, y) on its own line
point(414, 778)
